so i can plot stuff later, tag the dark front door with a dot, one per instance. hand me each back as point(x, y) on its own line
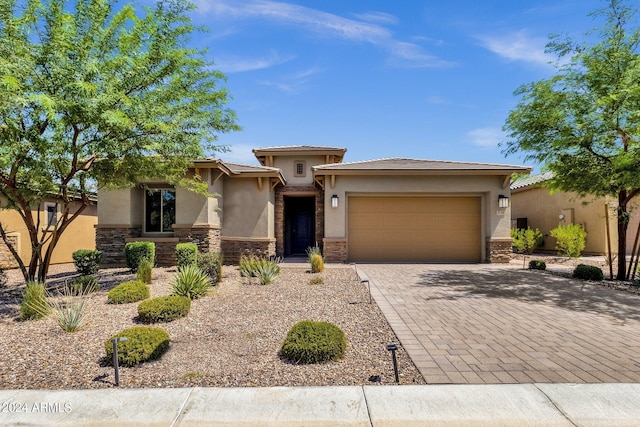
point(299, 224)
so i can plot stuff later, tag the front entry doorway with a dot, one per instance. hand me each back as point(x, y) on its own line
point(299, 224)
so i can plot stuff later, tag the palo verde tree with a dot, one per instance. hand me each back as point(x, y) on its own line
point(91, 95)
point(583, 124)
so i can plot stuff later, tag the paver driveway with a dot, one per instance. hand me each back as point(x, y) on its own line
point(501, 324)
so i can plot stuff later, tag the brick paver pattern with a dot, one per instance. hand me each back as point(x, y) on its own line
point(482, 324)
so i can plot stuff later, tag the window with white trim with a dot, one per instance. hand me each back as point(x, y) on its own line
point(51, 212)
point(160, 210)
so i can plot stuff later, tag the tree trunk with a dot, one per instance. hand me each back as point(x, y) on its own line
point(623, 222)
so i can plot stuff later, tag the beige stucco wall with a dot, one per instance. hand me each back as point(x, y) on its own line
point(247, 211)
point(80, 234)
point(121, 207)
point(286, 165)
point(543, 209)
point(495, 221)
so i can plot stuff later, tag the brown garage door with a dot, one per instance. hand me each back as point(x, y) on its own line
point(414, 229)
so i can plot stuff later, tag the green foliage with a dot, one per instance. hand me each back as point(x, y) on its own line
point(314, 342)
point(211, 263)
point(34, 302)
point(588, 272)
point(313, 250)
point(83, 285)
point(570, 239)
point(526, 241)
point(186, 253)
point(265, 270)
point(144, 343)
point(316, 280)
point(128, 292)
point(536, 264)
point(69, 309)
point(135, 252)
point(163, 309)
point(582, 124)
point(98, 92)
point(317, 263)
point(191, 282)
point(248, 265)
point(87, 261)
point(145, 271)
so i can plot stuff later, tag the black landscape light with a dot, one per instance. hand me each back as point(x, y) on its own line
point(115, 342)
point(392, 348)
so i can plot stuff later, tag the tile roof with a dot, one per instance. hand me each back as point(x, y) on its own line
point(528, 181)
point(299, 148)
point(242, 168)
point(400, 164)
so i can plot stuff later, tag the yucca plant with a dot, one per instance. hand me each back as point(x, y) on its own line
point(191, 282)
point(266, 270)
point(69, 309)
point(248, 265)
point(34, 302)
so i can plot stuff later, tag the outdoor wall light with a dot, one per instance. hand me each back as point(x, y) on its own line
point(503, 201)
point(334, 201)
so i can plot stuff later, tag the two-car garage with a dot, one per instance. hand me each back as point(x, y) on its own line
point(414, 228)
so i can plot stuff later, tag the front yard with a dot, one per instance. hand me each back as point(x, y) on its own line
point(230, 338)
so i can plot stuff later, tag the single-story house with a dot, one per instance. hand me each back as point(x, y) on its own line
point(401, 210)
point(79, 235)
point(533, 205)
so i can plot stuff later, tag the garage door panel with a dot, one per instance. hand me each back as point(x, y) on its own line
point(421, 229)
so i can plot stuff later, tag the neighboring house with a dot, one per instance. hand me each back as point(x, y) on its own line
point(402, 210)
point(79, 235)
point(533, 205)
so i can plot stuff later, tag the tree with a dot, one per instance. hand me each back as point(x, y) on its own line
point(94, 96)
point(583, 123)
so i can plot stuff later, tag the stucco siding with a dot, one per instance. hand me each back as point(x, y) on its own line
point(247, 210)
point(287, 165)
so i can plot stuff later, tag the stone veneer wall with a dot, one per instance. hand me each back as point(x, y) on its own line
point(499, 250)
point(335, 250)
point(234, 247)
point(280, 192)
point(206, 237)
point(110, 240)
point(6, 257)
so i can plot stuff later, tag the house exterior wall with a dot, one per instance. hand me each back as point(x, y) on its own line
point(287, 164)
point(495, 221)
point(79, 235)
point(543, 209)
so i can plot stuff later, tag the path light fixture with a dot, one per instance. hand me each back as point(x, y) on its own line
point(392, 348)
point(334, 201)
point(503, 201)
point(115, 342)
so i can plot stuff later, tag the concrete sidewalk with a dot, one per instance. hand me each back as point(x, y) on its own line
point(430, 405)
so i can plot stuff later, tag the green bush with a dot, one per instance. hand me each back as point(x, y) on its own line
point(536, 264)
point(266, 270)
point(145, 271)
point(314, 342)
point(128, 292)
point(163, 309)
point(87, 261)
point(186, 254)
point(83, 285)
point(69, 308)
point(526, 241)
point(34, 302)
point(317, 263)
point(570, 239)
point(211, 263)
point(143, 343)
point(191, 282)
point(588, 272)
point(248, 265)
point(134, 252)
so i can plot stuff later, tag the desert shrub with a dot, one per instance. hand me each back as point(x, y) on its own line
point(266, 270)
point(87, 261)
point(316, 280)
point(145, 271)
point(588, 272)
point(314, 342)
point(128, 292)
point(83, 285)
point(526, 241)
point(143, 343)
point(248, 265)
point(69, 309)
point(211, 263)
point(536, 264)
point(186, 253)
point(134, 252)
point(317, 263)
point(313, 250)
point(3, 278)
point(191, 282)
point(570, 239)
point(34, 302)
point(163, 309)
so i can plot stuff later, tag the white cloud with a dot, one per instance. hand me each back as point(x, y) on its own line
point(519, 46)
point(486, 137)
point(438, 100)
point(233, 64)
point(377, 17)
point(294, 82)
point(329, 25)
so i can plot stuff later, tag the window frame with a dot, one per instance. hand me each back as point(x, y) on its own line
point(51, 215)
point(145, 225)
point(297, 163)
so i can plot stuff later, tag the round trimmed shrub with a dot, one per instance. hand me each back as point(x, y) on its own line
point(186, 253)
point(128, 292)
point(87, 261)
point(144, 343)
point(314, 342)
point(588, 272)
point(163, 309)
point(135, 252)
point(83, 285)
point(536, 264)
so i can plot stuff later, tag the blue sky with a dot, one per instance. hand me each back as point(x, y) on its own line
point(419, 79)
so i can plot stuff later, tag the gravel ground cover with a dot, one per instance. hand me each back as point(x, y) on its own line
point(230, 338)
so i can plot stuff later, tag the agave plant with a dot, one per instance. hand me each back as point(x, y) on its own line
point(69, 309)
point(191, 282)
point(266, 270)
